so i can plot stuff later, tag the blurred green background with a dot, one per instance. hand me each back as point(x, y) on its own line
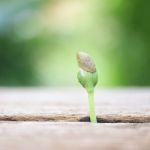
point(39, 40)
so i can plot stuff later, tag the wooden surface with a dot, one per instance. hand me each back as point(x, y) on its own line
point(57, 119)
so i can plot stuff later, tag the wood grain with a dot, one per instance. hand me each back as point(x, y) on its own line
point(74, 136)
point(42, 104)
point(57, 119)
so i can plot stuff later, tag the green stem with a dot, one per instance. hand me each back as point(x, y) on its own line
point(92, 107)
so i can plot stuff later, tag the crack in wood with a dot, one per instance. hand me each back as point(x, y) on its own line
point(120, 118)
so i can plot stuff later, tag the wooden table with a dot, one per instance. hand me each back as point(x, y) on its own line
point(57, 119)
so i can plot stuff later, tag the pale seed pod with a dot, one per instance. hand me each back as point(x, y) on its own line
point(85, 62)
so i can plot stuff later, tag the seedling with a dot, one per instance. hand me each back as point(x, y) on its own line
point(88, 78)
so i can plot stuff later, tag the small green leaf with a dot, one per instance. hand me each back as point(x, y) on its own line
point(87, 80)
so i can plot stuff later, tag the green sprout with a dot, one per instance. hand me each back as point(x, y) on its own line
point(88, 78)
